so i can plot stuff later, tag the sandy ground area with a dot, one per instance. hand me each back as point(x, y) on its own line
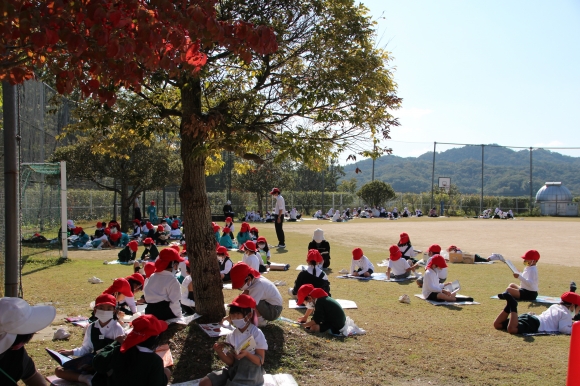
point(557, 240)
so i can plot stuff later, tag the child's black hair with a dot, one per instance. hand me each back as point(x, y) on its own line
point(134, 284)
point(240, 310)
point(23, 338)
point(404, 245)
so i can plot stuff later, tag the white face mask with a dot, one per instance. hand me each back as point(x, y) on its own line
point(221, 259)
point(239, 323)
point(104, 316)
point(261, 246)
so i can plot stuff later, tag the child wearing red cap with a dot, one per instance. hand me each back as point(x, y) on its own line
point(225, 263)
point(175, 232)
point(559, 317)
point(186, 286)
point(263, 253)
point(528, 288)
point(103, 331)
point(312, 275)
point(267, 297)
point(119, 289)
point(161, 236)
point(244, 234)
point(136, 281)
point(432, 289)
point(226, 240)
point(134, 362)
point(230, 226)
point(216, 230)
point(434, 250)
point(136, 229)
point(129, 253)
point(162, 292)
point(82, 238)
point(150, 252)
point(361, 265)
point(250, 257)
point(254, 233)
point(398, 268)
point(408, 253)
point(149, 230)
point(244, 368)
point(328, 314)
point(321, 245)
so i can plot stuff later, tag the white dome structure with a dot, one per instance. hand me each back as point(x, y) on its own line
point(556, 200)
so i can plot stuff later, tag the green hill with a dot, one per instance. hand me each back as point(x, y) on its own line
point(506, 172)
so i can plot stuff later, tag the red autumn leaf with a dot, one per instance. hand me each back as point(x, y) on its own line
point(93, 84)
point(51, 36)
point(38, 40)
point(113, 48)
point(115, 17)
point(76, 44)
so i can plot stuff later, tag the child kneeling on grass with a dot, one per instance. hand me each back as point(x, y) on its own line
point(129, 253)
point(361, 265)
point(328, 314)
point(432, 289)
point(528, 288)
point(134, 362)
point(245, 367)
point(311, 275)
point(559, 317)
point(398, 268)
point(105, 330)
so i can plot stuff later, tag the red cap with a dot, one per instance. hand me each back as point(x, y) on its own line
point(149, 225)
point(249, 245)
point(176, 247)
point(152, 202)
point(245, 227)
point(244, 301)
point(318, 293)
point(239, 272)
point(175, 224)
point(149, 269)
point(303, 292)
point(144, 327)
point(115, 236)
point(571, 297)
point(107, 231)
point(532, 254)
point(262, 239)
point(357, 253)
point(170, 254)
point(99, 224)
point(216, 228)
point(314, 254)
point(77, 230)
point(137, 277)
point(148, 241)
point(403, 238)
point(254, 229)
point(437, 260)
point(133, 245)
point(120, 285)
point(229, 219)
point(137, 221)
point(275, 190)
point(227, 230)
point(222, 251)
point(395, 253)
point(106, 299)
point(160, 228)
point(434, 248)
point(452, 248)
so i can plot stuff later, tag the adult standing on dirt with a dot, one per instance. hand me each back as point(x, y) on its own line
point(279, 211)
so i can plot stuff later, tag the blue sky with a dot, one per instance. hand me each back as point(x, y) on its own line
point(505, 72)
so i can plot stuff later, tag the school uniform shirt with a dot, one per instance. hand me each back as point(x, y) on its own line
point(185, 292)
point(398, 267)
point(167, 228)
point(252, 261)
point(136, 231)
point(17, 364)
point(130, 301)
point(264, 289)
point(529, 278)
point(237, 337)
point(431, 283)
point(364, 264)
point(226, 241)
point(150, 253)
point(556, 318)
point(408, 251)
point(243, 237)
point(112, 330)
point(312, 275)
point(163, 286)
point(226, 266)
point(280, 205)
point(441, 272)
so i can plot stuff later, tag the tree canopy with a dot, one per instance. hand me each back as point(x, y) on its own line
point(376, 193)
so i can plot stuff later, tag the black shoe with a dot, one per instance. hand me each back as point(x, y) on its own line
point(572, 286)
point(500, 296)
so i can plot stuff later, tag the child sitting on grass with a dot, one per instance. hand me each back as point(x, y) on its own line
point(187, 300)
point(230, 226)
point(244, 234)
point(432, 289)
point(250, 257)
point(328, 314)
point(226, 240)
point(150, 252)
point(361, 265)
point(245, 367)
point(434, 250)
point(528, 288)
point(225, 263)
point(319, 243)
point(559, 317)
point(82, 239)
point(406, 248)
point(263, 252)
point(312, 275)
point(129, 253)
point(162, 292)
point(398, 268)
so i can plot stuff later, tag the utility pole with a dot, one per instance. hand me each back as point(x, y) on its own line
point(531, 182)
point(433, 174)
point(481, 198)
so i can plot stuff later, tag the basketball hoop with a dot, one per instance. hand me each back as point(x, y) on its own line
point(445, 183)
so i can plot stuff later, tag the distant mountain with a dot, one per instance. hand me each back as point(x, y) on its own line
point(506, 172)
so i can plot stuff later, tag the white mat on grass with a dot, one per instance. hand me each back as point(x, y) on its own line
point(228, 286)
point(374, 276)
point(346, 304)
point(420, 296)
point(269, 380)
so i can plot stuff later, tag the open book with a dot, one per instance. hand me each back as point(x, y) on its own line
point(512, 267)
point(248, 345)
point(68, 363)
point(453, 287)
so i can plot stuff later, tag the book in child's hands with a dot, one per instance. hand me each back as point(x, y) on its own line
point(61, 359)
point(248, 345)
point(512, 267)
point(453, 287)
point(68, 363)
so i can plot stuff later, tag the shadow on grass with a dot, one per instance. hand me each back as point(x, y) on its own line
point(281, 251)
point(192, 350)
point(44, 263)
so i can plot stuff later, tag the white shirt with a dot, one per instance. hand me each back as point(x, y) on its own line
point(252, 261)
point(529, 278)
point(280, 205)
point(131, 303)
point(112, 330)
point(336, 216)
point(410, 253)
point(167, 228)
point(556, 318)
point(163, 286)
point(185, 292)
point(237, 337)
point(102, 238)
point(398, 267)
point(364, 264)
point(441, 272)
point(264, 289)
point(227, 267)
point(293, 214)
point(317, 272)
point(431, 283)
point(175, 233)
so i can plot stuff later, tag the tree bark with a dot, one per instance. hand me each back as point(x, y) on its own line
point(201, 245)
point(126, 207)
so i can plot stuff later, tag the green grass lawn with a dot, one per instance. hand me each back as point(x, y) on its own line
point(405, 344)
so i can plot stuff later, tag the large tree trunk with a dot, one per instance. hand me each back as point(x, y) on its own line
point(201, 245)
point(126, 207)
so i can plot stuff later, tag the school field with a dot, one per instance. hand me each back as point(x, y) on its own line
point(405, 344)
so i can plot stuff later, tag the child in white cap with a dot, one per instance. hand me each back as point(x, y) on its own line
point(321, 245)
